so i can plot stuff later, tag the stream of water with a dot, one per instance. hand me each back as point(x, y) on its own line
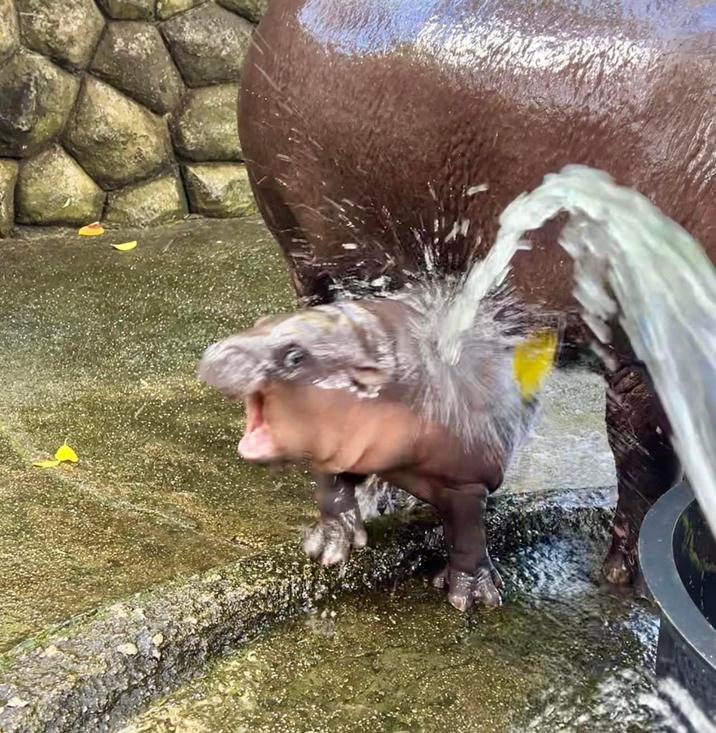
point(635, 265)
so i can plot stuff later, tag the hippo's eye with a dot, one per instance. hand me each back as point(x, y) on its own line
point(293, 357)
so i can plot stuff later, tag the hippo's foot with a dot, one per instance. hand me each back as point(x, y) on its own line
point(465, 590)
point(331, 540)
point(619, 567)
point(620, 564)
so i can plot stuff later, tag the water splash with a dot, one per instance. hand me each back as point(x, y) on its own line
point(461, 394)
point(635, 265)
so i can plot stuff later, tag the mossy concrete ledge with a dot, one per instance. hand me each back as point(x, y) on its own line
point(97, 671)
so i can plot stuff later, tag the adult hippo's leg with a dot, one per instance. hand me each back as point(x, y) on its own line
point(469, 576)
point(340, 528)
point(312, 287)
point(646, 463)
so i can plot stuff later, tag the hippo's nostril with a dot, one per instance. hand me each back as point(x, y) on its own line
point(228, 367)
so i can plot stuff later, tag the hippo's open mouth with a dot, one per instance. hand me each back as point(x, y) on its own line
point(258, 443)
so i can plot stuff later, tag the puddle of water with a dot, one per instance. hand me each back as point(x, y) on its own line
point(563, 653)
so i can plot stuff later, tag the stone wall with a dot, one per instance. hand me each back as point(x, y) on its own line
point(121, 110)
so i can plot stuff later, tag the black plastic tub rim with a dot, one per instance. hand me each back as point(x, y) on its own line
point(658, 565)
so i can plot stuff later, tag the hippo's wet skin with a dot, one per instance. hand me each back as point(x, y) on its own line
point(385, 138)
point(346, 388)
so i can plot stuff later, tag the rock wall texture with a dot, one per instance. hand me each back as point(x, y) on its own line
point(121, 110)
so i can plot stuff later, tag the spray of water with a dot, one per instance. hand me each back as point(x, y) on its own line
point(634, 264)
point(475, 395)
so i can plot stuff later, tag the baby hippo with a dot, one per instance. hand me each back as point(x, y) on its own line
point(358, 388)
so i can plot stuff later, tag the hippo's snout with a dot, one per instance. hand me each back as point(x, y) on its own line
point(209, 356)
point(230, 367)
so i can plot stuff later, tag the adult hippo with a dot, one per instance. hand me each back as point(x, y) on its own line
point(385, 137)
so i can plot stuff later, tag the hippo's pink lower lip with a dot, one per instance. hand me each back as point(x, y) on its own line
point(258, 443)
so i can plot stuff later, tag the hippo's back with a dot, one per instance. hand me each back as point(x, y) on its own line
point(386, 136)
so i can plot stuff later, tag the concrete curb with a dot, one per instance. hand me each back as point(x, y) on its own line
point(97, 671)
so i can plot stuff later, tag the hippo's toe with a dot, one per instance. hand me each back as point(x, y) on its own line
point(618, 568)
point(466, 590)
point(331, 541)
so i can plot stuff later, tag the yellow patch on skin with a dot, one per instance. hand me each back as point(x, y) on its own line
point(533, 361)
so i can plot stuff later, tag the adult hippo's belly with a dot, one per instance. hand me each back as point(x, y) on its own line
point(374, 129)
point(384, 138)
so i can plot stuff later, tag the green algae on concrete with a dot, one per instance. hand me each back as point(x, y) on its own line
point(64, 550)
point(561, 654)
point(99, 348)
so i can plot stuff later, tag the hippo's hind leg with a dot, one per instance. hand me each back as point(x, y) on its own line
point(646, 463)
point(469, 576)
point(340, 528)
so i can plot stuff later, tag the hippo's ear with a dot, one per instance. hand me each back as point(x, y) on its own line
point(368, 376)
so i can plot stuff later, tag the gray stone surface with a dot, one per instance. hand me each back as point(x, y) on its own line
point(219, 190)
point(168, 8)
point(208, 44)
point(141, 61)
point(205, 126)
point(251, 9)
point(8, 178)
point(37, 99)
point(116, 140)
point(148, 204)
point(568, 447)
point(9, 31)
point(129, 9)
point(53, 189)
point(65, 30)
point(132, 57)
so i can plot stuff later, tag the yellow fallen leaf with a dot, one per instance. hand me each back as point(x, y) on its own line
point(46, 464)
point(533, 362)
point(125, 247)
point(65, 453)
point(91, 230)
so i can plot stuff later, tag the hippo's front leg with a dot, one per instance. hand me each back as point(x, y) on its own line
point(340, 528)
point(470, 576)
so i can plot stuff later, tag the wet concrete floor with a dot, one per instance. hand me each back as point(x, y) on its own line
point(98, 348)
point(564, 653)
